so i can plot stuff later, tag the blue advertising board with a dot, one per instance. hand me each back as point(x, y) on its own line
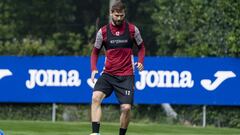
point(1, 132)
point(52, 79)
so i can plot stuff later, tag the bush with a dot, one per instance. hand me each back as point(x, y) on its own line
point(59, 44)
point(227, 116)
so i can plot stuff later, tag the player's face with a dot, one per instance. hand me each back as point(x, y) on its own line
point(118, 17)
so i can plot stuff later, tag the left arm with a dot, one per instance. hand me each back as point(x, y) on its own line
point(141, 49)
point(141, 53)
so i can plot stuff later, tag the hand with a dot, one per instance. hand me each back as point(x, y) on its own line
point(139, 66)
point(94, 72)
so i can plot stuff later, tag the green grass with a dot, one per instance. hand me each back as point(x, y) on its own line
point(83, 128)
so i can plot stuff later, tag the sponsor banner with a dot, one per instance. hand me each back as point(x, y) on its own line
point(211, 81)
point(1, 132)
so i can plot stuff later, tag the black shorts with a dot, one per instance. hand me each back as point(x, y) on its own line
point(123, 87)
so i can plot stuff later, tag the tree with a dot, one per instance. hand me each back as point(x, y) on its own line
point(197, 27)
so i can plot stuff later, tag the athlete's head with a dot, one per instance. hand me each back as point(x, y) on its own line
point(118, 13)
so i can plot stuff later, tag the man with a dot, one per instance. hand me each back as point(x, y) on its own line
point(118, 38)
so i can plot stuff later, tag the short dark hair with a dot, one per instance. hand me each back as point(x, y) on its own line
point(118, 6)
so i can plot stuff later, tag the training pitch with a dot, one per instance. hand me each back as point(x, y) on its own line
point(84, 128)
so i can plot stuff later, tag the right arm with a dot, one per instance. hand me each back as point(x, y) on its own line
point(94, 58)
point(95, 52)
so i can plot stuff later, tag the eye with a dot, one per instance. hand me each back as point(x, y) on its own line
point(119, 15)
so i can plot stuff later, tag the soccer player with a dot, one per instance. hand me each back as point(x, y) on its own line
point(118, 38)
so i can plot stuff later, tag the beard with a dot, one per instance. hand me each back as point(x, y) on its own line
point(117, 23)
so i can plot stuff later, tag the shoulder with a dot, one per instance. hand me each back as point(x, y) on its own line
point(135, 33)
point(103, 29)
point(102, 32)
point(133, 28)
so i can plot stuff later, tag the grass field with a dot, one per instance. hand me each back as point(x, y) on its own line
point(83, 128)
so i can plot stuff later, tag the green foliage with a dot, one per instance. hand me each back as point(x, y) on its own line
point(224, 116)
point(59, 44)
point(139, 12)
point(218, 116)
point(168, 27)
point(7, 25)
point(67, 43)
point(37, 18)
point(149, 113)
point(62, 27)
point(25, 112)
point(25, 47)
point(197, 27)
point(227, 116)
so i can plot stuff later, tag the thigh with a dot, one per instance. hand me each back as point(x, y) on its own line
point(124, 90)
point(103, 85)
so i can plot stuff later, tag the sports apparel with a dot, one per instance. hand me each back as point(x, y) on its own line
point(95, 127)
point(117, 75)
point(122, 131)
point(123, 87)
point(118, 43)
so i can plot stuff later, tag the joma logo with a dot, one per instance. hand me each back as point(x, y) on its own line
point(221, 76)
point(5, 73)
point(53, 78)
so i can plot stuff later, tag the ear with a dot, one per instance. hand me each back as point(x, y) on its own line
point(124, 14)
point(110, 12)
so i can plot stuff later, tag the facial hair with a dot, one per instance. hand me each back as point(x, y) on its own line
point(117, 23)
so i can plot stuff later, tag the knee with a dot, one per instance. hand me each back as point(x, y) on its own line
point(96, 99)
point(126, 108)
